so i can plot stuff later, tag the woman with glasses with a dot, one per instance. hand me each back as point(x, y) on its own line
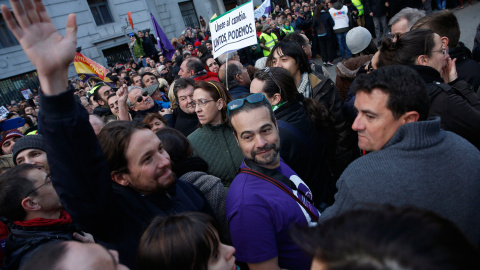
point(306, 131)
point(214, 140)
point(450, 98)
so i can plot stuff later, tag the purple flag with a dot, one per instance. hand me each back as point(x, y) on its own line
point(162, 41)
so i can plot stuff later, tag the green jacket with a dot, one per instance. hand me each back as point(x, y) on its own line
point(138, 47)
point(218, 147)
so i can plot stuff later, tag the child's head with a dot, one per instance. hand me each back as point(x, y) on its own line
point(184, 241)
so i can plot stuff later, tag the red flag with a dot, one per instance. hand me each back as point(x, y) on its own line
point(130, 19)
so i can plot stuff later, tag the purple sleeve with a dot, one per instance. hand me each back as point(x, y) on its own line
point(253, 234)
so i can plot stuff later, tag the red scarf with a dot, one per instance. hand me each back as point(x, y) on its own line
point(64, 219)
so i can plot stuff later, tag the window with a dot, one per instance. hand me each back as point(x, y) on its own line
point(6, 37)
point(189, 14)
point(10, 88)
point(100, 11)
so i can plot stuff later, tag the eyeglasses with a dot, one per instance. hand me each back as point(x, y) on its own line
point(443, 51)
point(267, 69)
point(47, 181)
point(140, 98)
point(238, 103)
point(202, 102)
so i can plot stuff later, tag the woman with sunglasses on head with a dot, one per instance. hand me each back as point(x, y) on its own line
point(214, 140)
point(306, 131)
point(450, 98)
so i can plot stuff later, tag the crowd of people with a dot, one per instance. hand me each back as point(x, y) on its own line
point(256, 159)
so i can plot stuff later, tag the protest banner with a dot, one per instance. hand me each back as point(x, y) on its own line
point(87, 68)
point(3, 112)
point(263, 9)
point(26, 93)
point(233, 30)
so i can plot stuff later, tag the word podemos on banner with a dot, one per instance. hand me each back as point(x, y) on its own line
point(233, 30)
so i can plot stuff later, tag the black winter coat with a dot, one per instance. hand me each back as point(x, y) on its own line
point(467, 69)
point(309, 159)
point(23, 241)
point(456, 104)
point(327, 21)
point(114, 214)
point(324, 91)
point(376, 6)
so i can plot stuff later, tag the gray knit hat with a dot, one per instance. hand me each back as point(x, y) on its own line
point(358, 39)
point(151, 89)
point(27, 142)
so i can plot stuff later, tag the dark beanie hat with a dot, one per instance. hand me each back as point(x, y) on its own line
point(27, 142)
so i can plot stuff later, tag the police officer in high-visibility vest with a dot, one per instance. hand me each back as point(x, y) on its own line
point(267, 40)
point(361, 18)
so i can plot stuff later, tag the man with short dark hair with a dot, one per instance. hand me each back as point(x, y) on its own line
point(237, 80)
point(412, 160)
point(149, 79)
point(193, 68)
point(29, 201)
point(267, 196)
point(100, 92)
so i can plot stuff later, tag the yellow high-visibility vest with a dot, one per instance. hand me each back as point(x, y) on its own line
point(269, 42)
point(359, 6)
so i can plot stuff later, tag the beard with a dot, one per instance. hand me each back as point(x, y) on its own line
point(268, 159)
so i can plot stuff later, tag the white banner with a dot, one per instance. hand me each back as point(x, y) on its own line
point(3, 112)
point(263, 9)
point(233, 30)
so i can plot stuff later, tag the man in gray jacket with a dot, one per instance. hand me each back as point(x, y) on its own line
point(411, 161)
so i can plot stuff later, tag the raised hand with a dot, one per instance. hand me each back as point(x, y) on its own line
point(47, 49)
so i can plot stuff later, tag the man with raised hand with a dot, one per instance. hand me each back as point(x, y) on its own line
point(82, 167)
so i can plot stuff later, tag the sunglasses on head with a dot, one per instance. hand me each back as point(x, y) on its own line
point(238, 103)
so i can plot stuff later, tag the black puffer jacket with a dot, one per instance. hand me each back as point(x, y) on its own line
point(307, 156)
point(456, 104)
point(23, 241)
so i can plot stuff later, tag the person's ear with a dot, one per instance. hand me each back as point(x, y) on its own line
point(276, 98)
point(220, 104)
point(101, 102)
point(422, 60)
point(410, 117)
point(239, 78)
point(445, 42)
point(29, 205)
point(120, 178)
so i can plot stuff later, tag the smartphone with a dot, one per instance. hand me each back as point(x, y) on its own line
point(12, 123)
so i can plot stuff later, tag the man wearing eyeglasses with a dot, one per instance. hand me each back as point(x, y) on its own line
point(267, 198)
point(29, 200)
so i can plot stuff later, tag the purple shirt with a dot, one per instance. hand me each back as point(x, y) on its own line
point(260, 216)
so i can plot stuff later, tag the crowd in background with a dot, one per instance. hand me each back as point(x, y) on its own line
point(170, 165)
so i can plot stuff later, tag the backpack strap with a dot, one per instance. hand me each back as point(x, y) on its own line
point(280, 186)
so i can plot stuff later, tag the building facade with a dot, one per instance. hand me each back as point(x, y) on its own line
point(102, 33)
